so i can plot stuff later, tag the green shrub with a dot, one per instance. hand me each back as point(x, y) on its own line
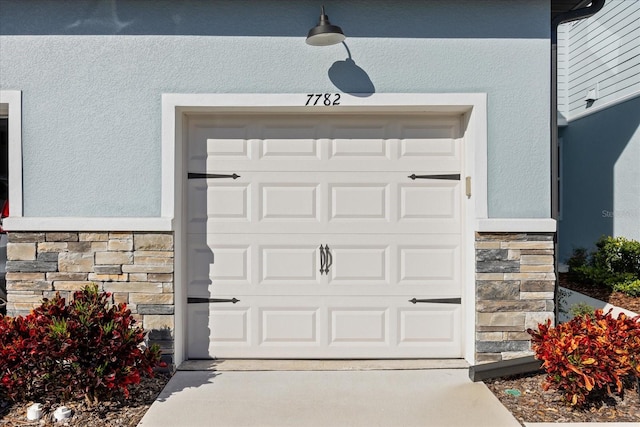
point(618, 255)
point(88, 348)
point(615, 264)
point(591, 275)
point(582, 309)
point(629, 288)
point(579, 258)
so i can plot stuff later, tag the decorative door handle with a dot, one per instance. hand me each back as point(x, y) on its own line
point(329, 259)
point(326, 259)
point(323, 259)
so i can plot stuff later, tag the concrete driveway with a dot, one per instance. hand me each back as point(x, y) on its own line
point(420, 397)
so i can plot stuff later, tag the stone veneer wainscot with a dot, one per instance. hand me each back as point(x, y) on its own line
point(135, 267)
point(515, 283)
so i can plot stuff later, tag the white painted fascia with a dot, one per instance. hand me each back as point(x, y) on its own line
point(516, 225)
point(11, 105)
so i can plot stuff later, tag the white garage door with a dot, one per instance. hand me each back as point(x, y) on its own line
point(311, 236)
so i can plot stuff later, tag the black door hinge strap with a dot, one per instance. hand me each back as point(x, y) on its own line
point(438, 300)
point(451, 177)
point(198, 175)
point(196, 300)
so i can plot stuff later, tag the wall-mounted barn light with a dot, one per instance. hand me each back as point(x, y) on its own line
point(325, 34)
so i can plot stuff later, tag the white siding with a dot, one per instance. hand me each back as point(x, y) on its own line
point(603, 52)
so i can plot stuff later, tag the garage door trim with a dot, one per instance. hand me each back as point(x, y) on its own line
point(175, 107)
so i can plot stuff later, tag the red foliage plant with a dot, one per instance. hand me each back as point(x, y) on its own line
point(87, 348)
point(589, 354)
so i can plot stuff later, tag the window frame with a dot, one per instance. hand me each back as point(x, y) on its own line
point(11, 108)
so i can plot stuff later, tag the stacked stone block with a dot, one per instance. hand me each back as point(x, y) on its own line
point(135, 267)
point(515, 283)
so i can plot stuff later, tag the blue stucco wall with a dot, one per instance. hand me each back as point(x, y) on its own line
point(600, 177)
point(92, 73)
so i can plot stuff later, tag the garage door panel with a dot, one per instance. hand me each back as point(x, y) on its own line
point(365, 140)
point(211, 266)
point(324, 143)
point(211, 139)
point(426, 263)
point(220, 202)
point(231, 263)
point(227, 147)
point(361, 265)
point(226, 327)
point(437, 323)
point(316, 243)
point(228, 202)
point(291, 143)
point(331, 203)
point(294, 264)
point(430, 202)
point(360, 326)
point(337, 227)
point(313, 327)
point(289, 201)
point(197, 205)
point(359, 201)
point(297, 326)
point(230, 325)
point(434, 290)
point(368, 148)
point(199, 263)
point(335, 164)
point(417, 141)
point(199, 333)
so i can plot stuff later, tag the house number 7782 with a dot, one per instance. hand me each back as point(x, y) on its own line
point(325, 99)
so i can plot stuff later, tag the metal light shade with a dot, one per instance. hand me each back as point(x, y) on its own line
point(325, 34)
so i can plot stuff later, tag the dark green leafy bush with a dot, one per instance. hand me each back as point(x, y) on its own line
point(629, 288)
point(579, 258)
point(618, 255)
point(88, 348)
point(615, 264)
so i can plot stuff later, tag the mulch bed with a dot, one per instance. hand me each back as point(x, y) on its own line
point(117, 412)
point(524, 397)
point(535, 405)
point(602, 293)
